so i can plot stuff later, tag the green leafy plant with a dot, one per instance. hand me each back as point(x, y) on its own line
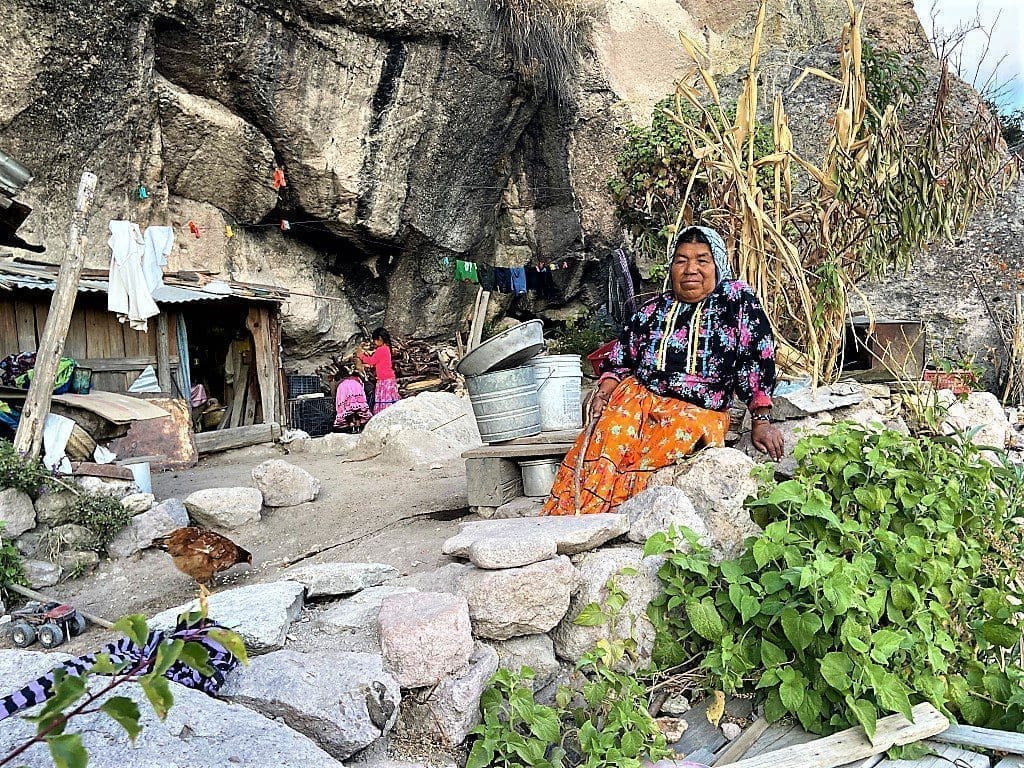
point(887, 574)
point(26, 475)
point(516, 730)
point(891, 79)
point(73, 696)
point(582, 335)
point(11, 566)
point(104, 515)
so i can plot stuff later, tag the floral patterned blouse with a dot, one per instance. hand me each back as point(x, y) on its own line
point(729, 351)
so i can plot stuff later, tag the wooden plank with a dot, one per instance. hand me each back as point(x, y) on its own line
point(239, 437)
point(96, 344)
point(115, 334)
point(42, 312)
point(852, 744)
point(986, 738)
point(25, 314)
point(8, 329)
point(702, 734)
point(778, 736)
point(555, 436)
point(1010, 762)
point(74, 347)
point(946, 755)
point(163, 354)
point(517, 451)
point(739, 747)
point(122, 364)
point(266, 359)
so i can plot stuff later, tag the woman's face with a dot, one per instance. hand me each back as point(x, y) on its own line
point(693, 272)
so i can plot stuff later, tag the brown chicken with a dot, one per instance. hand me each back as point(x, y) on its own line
point(200, 553)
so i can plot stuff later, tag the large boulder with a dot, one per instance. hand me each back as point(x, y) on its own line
point(55, 507)
point(343, 701)
point(260, 613)
point(165, 517)
point(598, 571)
point(519, 601)
point(717, 481)
point(534, 651)
point(571, 534)
point(199, 731)
point(511, 553)
point(328, 579)
point(331, 444)
point(425, 636)
point(16, 513)
point(979, 411)
point(73, 536)
point(354, 623)
point(659, 508)
point(450, 710)
point(41, 573)
point(283, 484)
point(137, 503)
point(400, 430)
point(225, 508)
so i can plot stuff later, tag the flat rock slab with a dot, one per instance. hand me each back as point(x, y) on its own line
point(571, 534)
point(283, 484)
point(199, 732)
point(344, 701)
point(165, 517)
point(807, 401)
point(511, 553)
point(260, 613)
point(333, 579)
point(226, 508)
point(425, 636)
point(523, 506)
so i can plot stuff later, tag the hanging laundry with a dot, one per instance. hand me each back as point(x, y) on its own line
point(445, 261)
point(278, 180)
point(552, 267)
point(157, 245)
point(285, 225)
point(486, 274)
point(129, 295)
point(565, 265)
point(518, 275)
point(194, 229)
point(143, 194)
point(228, 231)
point(503, 279)
point(466, 270)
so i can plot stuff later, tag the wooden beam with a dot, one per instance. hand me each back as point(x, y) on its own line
point(853, 744)
point(738, 748)
point(985, 738)
point(239, 437)
point(163, 355)
point(943, 756)
point(265, 359)
point(29, 438)
point(503, 451)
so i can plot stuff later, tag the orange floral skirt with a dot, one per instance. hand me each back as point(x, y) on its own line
point(637, 434)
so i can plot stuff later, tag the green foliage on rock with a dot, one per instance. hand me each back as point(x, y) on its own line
point(27, 475)
point(104, 515)
point(891, 80)
point(886, 575)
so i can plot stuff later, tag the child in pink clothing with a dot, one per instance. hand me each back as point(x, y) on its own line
point(386, 392)
point(350, 401)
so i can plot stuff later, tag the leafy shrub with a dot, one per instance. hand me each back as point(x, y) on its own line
point(104, 515)
point(886, 575)
point(890, 80)
point(27, 475)
point(582, 335)
point(11, 568)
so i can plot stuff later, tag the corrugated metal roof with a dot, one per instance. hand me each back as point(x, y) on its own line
point(166, 294)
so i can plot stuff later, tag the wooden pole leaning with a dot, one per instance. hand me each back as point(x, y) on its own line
point(29, 438)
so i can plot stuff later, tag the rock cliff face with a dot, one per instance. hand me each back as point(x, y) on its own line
point(407, 136)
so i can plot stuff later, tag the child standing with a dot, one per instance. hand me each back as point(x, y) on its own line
point(350, 400)
point(386, 392)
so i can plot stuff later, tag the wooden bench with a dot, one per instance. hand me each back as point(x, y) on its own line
point(492, 471)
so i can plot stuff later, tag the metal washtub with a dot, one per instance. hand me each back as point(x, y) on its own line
point(505, 404)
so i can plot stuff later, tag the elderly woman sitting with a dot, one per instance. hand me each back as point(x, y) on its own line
point(669, 381)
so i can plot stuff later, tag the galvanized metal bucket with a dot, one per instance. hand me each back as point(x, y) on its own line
point(505, 404)
point(539, 476)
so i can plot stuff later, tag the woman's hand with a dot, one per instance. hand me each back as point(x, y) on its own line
point(601, 397)
point(767, 439)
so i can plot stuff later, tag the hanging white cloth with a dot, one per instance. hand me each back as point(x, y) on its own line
point(157, 245)
point(129, 295)
point(56, 433)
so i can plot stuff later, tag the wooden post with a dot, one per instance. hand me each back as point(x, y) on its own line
point(29, 438)
point(265, 360)
point(163, 354)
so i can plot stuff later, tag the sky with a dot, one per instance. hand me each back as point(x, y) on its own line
point(1007, 39)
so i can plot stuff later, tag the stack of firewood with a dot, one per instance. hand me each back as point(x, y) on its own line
point(419, 365)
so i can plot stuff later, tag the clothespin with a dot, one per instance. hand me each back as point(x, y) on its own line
point(445, 261)
point(565, 265)
point(143, 194)
point(278, 180)
point(285, 225)
point(194, 229)
point(228, 231)
point(552, 267)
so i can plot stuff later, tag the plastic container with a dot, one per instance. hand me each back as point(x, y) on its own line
point(539, 476)
point(81, 381)
point(142, 476)
point(559, 391)
point(505, 404)
point(509, 349)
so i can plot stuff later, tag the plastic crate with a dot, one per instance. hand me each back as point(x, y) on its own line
point(313, 415)
point(303, 385)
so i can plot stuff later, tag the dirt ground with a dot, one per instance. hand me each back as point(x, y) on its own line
point(367, 511)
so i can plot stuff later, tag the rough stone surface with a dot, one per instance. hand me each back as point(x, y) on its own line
point(226, 508)
point(718, 481)
point(343, 701)
point(260, 613)
point(165, 517)
point(77, 563)
point(981, 411)
point(524, 506)
point(572, 534)
point(430, 427)
point(54, 507)
point(731, 730)
point(105, 487)
point(199, 731)
point(16, 513)
point(519, 601)
point(73, 536)
point(448, 712)
point(534, 651)
point(424, 636)
point(339, 578)
point(793, 430)
point(807, 401)
point(41, 573)
point(137, 503)
point(596, 569)
point(657, 509)
point(283, 484)
point(354, 623)
point(676, 705)
point(511, 553)
point(444, 579)
point(331, 444)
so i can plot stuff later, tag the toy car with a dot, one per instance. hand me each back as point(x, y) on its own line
point(50, 623)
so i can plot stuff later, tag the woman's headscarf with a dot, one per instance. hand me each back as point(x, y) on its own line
point(723, 270)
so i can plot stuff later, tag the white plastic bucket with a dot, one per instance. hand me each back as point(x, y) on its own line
point(559, 391)
point(505, 404)
point(141, 475)
point(539, 476)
